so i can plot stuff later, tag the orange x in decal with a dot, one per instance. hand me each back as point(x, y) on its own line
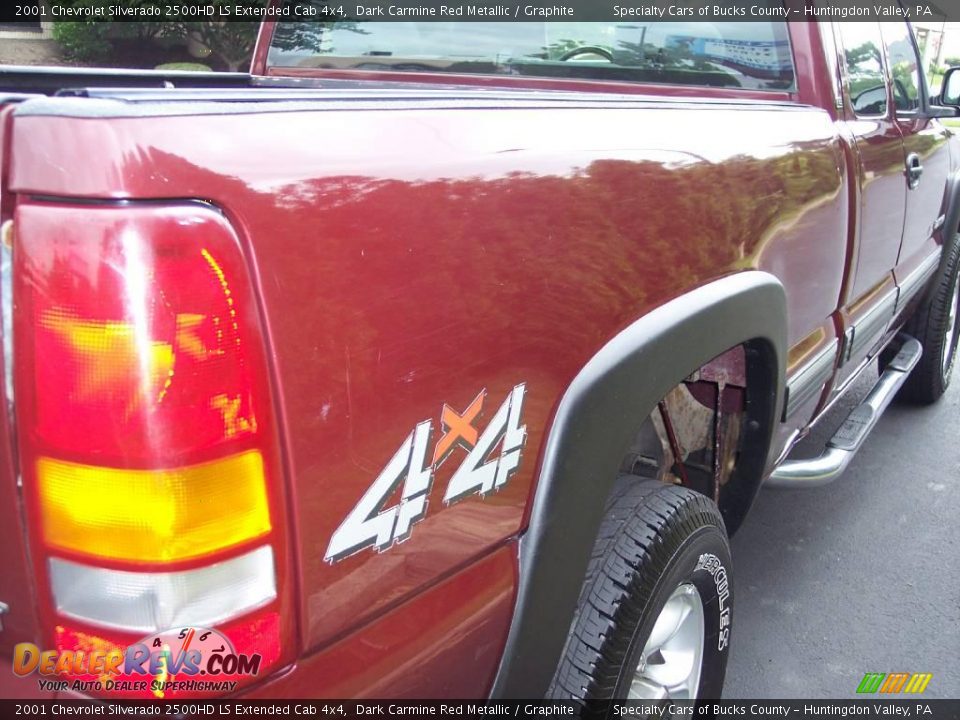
point(458, 429)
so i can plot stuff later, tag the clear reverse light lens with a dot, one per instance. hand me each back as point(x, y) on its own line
point(155, 601)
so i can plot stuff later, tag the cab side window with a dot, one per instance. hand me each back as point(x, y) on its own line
point(863, 51)
point(904, 66)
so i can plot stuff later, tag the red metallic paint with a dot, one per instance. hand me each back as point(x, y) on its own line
point(927, 138)
point(20, 622)
point(883, 195)
point(443, 643)
point(392, 285)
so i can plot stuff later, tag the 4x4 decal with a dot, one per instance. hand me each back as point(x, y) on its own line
point(370, 524)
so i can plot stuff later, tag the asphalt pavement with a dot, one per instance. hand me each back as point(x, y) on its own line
point(859, 576)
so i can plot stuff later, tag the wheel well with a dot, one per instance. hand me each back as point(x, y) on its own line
point(695, 435)
point(595, 423)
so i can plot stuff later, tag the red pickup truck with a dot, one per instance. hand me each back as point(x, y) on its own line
point(440, 359)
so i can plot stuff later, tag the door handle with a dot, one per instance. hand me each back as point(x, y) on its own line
point(914, 170)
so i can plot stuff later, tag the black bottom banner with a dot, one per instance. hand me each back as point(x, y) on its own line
point(934, 709)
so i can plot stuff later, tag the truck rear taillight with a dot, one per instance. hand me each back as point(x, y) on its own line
point(148, 446)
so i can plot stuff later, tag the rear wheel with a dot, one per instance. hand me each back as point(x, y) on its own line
point(653, 621)
point(935, 326)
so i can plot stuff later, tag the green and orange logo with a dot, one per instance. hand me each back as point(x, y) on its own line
point(893, 683)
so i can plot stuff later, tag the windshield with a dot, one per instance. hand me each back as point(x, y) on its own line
point(751, 55)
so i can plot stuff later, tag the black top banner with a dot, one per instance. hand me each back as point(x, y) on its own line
point(917, 707)
point(628, 11)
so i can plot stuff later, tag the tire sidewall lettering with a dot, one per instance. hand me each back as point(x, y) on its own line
point(713, 566)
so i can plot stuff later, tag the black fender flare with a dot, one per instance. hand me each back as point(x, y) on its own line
point(597, 419)
point(951, 224)
point(948, 233)
point(951, 215)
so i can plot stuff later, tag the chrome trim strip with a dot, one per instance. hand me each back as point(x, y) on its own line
point(810, 379)
point(917, 280)
point(871, 326)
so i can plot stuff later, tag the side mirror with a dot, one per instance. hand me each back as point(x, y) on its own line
point(950, 89)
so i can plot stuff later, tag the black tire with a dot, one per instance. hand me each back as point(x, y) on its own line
point(929, 323)
point(653, 538)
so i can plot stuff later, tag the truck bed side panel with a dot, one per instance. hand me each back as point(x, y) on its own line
point(411, 258)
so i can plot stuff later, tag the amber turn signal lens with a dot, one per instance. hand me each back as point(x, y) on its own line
point(153, 516)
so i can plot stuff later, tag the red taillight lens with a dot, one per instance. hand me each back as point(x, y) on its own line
point(148, 446)
point(154, 341)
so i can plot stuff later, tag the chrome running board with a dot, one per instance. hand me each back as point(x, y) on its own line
point(847, 440)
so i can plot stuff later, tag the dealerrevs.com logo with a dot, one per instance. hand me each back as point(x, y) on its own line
point(183, 660)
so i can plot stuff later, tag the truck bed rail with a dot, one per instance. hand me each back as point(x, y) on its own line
point(44, 80)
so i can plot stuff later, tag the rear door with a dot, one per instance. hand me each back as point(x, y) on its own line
point(926, 160)
point(879, 213)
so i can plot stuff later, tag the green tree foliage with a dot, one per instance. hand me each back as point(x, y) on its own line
point(83, 40)
point(230, 42)
point(93, 40)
